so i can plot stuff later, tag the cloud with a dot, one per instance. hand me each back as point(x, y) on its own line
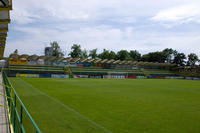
point(110, 24)
point(181, 14)
point(103, 37)
point(88, 10)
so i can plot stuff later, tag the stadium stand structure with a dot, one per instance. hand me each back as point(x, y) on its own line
point(188, 71)
point(24, 64)
point(5, 7)
point(103, 71)
point(37, 69)
point(159, 72)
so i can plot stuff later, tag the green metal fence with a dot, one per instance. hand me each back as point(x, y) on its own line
point(19, 117)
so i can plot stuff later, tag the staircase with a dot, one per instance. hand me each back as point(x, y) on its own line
point(68, 71)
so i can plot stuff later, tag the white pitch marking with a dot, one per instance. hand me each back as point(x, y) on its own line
point(67, 107)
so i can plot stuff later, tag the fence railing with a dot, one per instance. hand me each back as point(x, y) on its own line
point(19, 117)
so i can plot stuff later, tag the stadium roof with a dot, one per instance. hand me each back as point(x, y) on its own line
point(5, 7)
point(76, 60)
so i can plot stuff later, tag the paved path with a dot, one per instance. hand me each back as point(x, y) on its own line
point(4, 124)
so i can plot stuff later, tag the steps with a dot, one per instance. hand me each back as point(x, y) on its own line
point(33, 69)
point(68, 71)
point(102, 71)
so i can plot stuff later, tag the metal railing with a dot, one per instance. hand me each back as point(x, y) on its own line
point(19, 117)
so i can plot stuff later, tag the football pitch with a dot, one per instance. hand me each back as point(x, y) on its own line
point(111, 105)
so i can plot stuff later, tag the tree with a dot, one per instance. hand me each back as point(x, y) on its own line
point(75, 51)
point(56, 49)
point(112, 55)
point(104, 54)
point(16, 51)
point(154, 57)
point(93, 54)
point(179, 59)
point(169, 54)
point(123, 55)
point(192, 59)
point(135, 55)
point(145, 58)
point(84, 54)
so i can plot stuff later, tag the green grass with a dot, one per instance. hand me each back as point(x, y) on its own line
point(108, 105)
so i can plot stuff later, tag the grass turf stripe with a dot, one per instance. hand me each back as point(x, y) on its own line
point(67, 107)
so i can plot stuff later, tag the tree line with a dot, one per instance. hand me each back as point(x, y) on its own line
point(167, 55)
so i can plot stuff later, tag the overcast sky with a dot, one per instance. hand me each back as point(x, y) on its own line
point(144, 25)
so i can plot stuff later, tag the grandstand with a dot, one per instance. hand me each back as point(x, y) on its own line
point(35, 69)
point(159, 72)
point(189, 71)
point(5, 7)
point(46, 66)
point(102, 71)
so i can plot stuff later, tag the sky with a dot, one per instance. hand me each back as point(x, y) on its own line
point(143, 25)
